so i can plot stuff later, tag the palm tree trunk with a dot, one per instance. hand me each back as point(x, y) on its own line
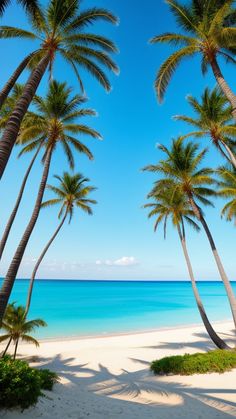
point(223, 153)
point(228, 287)
point(16, 261)
point(13, 79)
point(211, 332)
point(13, 125)
point(232, 157)
point(15, 209)
point(6, 349)
point(224, 85)
point(16, 346)
point(38, 263)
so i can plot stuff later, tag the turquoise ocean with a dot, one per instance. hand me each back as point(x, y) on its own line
point(85, 308)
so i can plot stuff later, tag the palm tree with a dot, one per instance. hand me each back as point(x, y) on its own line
point(72, 192)
point(53, 125)
point(173, 205)
point(213, 120)
point(227, 189)
point(207, 29)
point(181, 170)
point(60, 30)
point(17, 327)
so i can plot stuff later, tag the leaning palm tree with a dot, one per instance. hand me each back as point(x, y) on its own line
point(213, 119)
point(59, 30)
point(72, 192)
point(18, 328)
point(227, 189)
point(172, 204)
point(53, 125)
point(207, 30)
point(181, 170)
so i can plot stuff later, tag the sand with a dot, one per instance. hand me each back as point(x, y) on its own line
point(109, 377)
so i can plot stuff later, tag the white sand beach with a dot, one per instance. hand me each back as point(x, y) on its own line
point(109, 377)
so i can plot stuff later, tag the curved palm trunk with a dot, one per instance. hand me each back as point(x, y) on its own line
point(228, 287)
point(15, 209)
point(13, 79)
point(231, 155)
point(211, 332)
point(6, 349)
point(224, 85)
point(38, 263)
point(16, 346)
point(223, 153)
point(13, 125)
point(16, 261)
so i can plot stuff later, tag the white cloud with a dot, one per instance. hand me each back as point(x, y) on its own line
point(126, 261)
point(98, 262)
point(123, 261)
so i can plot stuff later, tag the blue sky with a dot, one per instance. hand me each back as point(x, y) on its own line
point(117, 242)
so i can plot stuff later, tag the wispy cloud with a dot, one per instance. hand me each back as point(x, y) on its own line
point(123, 261)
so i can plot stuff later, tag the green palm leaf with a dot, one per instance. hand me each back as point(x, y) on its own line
point(168, 68)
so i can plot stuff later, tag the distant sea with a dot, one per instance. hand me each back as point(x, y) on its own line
point(85, 308)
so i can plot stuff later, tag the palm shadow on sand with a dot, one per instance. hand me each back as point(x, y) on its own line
point(143, 388)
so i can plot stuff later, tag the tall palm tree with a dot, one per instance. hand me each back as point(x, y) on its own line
point(213, 119)
point(173, 205)
point(72, 192)
point(60, 30)
point(207, 30)
point(181, 170)
point(227, 189)
point(18, 328)
point(28, 130)
point(53, 125)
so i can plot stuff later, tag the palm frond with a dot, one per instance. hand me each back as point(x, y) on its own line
point(87, 17)
point(11, 32)
point(168, 68)
point(173, 38)
point(30, 339)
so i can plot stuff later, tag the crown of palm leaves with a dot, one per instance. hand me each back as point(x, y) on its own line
point(61, 28)
point(206, 31)
point(55, 122)
point(171, 204)
point(73, 191)
point(181, 170)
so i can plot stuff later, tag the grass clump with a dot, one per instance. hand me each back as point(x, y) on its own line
point(21, 385)
point(198, 363)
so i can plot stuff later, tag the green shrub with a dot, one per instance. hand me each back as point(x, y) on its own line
point(47, 379)
point(20, 385)
point(199, 363)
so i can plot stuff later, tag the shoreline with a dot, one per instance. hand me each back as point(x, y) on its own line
point(121, 280)
point(129, 333)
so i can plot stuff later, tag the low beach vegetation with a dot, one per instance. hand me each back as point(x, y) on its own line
point(21, 385)
point(199, 363)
